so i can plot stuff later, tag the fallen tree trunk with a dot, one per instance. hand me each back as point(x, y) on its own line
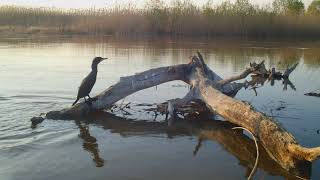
point(131, 84)
point(211, 89)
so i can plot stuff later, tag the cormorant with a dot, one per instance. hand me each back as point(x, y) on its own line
point(89, 81)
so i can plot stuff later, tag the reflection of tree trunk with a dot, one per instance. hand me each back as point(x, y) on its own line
point(234, 141)
point(212, 90)
point(90, 144)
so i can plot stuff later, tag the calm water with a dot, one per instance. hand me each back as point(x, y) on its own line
point(40, 74)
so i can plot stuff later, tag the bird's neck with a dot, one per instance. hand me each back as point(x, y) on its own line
point(94, 68)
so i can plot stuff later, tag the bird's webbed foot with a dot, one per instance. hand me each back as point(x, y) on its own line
point(93, 99)
point(90, 100)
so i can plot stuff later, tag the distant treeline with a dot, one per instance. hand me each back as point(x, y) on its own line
point(282, 18)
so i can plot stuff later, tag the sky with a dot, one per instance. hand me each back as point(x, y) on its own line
point(105, 3)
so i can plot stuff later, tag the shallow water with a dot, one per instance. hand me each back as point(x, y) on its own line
point(42, 74)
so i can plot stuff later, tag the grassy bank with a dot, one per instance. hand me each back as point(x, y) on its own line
point(181, 18)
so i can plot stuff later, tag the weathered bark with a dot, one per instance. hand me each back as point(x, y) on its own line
point(126, 86)
point(280, 144)
point(131, 84)
point(212, 90)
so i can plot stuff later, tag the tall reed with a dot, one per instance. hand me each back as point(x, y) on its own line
point(180, 18)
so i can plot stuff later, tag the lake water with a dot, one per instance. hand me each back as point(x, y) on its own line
point(41, 74)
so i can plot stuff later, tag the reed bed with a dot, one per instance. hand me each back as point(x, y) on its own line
point(181, 18)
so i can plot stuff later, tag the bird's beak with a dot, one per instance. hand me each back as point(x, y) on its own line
point(104, 58)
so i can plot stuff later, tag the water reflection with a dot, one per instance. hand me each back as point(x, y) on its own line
point(234, 141)
point(90, 143)
point(234, 53)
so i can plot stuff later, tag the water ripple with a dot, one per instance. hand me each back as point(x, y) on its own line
point(38, 96)
point(24, 141)
point(4, 99)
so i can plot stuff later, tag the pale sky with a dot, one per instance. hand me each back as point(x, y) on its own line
point(105, 3)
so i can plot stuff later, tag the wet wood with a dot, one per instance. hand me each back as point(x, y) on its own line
point(131, 84)
point(217, 94)
point(126, 86)
point(312, 94)
point(280, 144)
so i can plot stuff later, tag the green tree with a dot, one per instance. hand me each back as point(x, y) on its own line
point(288, 7)
point(225, 8)
point(243, 7)
point(314, 8)
point(208, 10)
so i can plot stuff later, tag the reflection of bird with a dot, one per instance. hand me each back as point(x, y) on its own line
point(89, 81)
point(90, 144)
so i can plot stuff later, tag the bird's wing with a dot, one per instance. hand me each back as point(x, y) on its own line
point(86, 86)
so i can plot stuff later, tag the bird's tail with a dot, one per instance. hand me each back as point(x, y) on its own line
point(75, 101)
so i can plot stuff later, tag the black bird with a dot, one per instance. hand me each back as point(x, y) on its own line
point(89, 81)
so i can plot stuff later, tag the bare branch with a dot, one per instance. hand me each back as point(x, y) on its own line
point(254, 68)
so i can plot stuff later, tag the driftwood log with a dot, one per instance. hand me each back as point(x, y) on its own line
point(216, 93)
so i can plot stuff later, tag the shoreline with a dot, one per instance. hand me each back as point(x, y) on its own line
point(28, 32)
